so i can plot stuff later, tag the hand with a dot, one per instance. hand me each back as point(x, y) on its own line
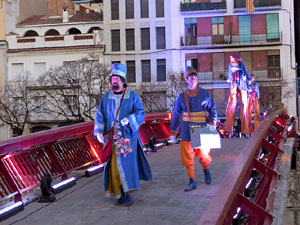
point(211, 128)
point(173, 138)
point(100, 138)
point(124, 121)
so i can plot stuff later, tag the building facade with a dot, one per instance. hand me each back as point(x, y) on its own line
point(157, 38)
point(43, 42)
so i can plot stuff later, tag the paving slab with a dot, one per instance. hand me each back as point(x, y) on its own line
point(160, 201)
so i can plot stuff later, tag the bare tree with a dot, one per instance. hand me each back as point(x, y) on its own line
point(176, 85)
point(16, 103)
point(272, 93)
point(161, 97)
point(74, 89)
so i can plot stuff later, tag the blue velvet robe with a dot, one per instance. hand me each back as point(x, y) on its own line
point(134, 166)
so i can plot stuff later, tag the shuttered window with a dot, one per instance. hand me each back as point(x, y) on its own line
point(146, 71)
point(129, 9)
point(160, 8)
point(130, 71)
point(145, 38)
point(144, 9)
point(161, 70)
point(160, 38)
point(272, 27)
point(245, 29)
point(115, 40)
point(130, 40)
point(114, 9)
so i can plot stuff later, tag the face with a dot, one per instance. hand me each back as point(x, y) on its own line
point(116, 83)
point(192, 81)
point(252, 78)
point(233, 61)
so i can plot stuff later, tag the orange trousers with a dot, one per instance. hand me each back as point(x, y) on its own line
point(254, 107)
point(231, 110)
point(188, 154)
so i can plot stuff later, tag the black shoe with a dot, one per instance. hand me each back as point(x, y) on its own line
point(128, 200)
point(207, 176)
point(192, 185)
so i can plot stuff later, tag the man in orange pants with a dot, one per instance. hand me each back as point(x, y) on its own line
point(239, 79)
point(192, 107)
point(253, 97)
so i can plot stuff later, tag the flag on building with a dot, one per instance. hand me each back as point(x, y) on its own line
point(249, 6)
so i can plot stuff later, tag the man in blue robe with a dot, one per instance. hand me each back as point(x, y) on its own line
point(123, 171)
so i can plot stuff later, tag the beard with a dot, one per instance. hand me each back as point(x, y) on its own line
point(115, 86)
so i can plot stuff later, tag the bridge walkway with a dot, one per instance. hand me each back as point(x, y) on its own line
point(160, 201)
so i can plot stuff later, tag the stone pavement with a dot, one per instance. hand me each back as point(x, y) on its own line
point(160, 201)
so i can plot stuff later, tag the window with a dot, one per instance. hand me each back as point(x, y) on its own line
point(19, 105)
point(145, 38)
point(71, 103)
point(115, 62)
point(52, 32)
point(40, 104)
point(129, 9)
point(114, 9)
point(39, 68)
point(144, 9)
point(161, 70)
point(17, 69)
point(217, 30)
point(193, 63)
point(272, 27)
point(274, 66)
point(245, 29)
point(130, 39)
point(190, 31)
point(160, 38)
point(146, 71)
point(31, 33)
point(115, 40)
point(130, 71)
point(160, 8)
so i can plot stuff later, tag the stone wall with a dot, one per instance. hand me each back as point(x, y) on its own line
point(293, 202)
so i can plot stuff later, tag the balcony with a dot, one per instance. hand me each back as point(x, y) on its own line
point(202, 6)
point(16, 42)
point(257, 3)
point(234, 40)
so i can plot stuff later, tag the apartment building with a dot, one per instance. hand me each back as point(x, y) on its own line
point(11, 12)
point(155, 38)
point(42, 42)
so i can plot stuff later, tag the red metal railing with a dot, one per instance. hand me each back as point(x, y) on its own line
point(261, 154)
point(24, 160)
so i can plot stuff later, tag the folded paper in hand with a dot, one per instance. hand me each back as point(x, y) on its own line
point(202, 137)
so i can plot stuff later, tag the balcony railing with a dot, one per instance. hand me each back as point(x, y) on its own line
point(201, 6)
point(241, 39)
point(257, 3)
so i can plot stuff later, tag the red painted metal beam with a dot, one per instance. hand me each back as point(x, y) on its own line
point(222, 207)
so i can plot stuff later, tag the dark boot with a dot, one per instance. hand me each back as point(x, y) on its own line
point(120, 201)
point(207, 176)
point(192, 185)
point(128, 201)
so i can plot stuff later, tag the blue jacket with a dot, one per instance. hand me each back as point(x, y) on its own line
point(239, 75)
point(201, 102)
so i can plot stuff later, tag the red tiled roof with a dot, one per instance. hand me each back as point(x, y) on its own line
point(81, 17)
point(63, 48)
